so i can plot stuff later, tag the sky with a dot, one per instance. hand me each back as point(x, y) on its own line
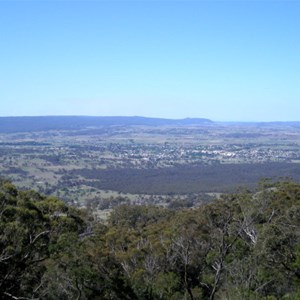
point(222, 60)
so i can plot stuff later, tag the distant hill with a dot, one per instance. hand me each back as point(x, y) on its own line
point(24, 124)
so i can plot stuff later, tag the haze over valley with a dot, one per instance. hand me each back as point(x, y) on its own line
point(89, 160)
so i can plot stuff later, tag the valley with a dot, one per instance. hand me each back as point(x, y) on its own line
point(137, 163)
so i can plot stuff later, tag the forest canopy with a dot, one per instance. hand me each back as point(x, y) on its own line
point(245, 245)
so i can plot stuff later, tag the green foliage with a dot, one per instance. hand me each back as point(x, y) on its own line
point(243, 246)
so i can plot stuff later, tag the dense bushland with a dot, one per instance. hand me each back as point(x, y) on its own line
point(243, 246)
point(183, 179)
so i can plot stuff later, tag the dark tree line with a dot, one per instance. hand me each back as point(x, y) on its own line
point(185, 179)
point(243, 246)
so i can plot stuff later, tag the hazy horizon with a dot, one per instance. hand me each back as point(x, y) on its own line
point(227, 61)
point(154, 117)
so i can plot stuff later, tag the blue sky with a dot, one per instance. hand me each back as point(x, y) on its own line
point(223, 60)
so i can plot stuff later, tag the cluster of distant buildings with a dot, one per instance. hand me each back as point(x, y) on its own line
point(160, 156)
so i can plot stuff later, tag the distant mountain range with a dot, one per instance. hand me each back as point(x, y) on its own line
point(44, 123)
